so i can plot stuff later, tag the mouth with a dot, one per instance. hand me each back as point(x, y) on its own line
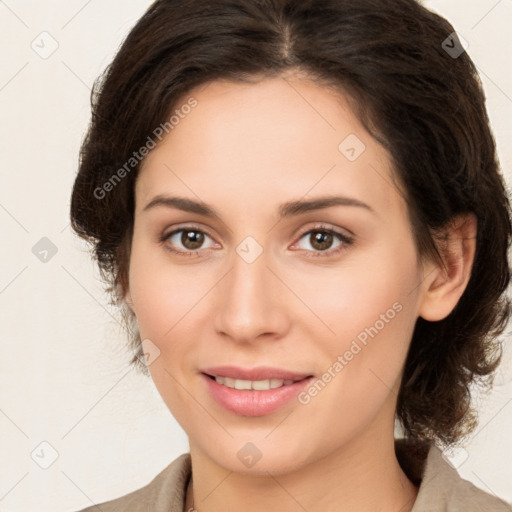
point(256, 385)
point(253, 398)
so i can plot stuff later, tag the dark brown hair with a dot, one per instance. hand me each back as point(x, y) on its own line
point(423, 102)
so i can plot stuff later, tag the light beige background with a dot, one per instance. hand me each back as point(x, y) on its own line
point(64, 375)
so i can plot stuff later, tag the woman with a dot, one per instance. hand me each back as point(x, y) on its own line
point(299, 206)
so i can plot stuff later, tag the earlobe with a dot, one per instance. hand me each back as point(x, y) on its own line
point(444, 285)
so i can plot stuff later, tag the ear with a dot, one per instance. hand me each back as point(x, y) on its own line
point(443, 287)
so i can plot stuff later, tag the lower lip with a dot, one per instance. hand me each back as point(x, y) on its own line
point(249, 402)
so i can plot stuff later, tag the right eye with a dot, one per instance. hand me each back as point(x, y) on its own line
point(190, 237)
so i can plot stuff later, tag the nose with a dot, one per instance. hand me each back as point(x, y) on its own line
point(251, 301)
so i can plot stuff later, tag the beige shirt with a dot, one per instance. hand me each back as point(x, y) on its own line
point(441, 489)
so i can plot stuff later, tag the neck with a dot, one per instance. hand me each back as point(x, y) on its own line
point(360, 477)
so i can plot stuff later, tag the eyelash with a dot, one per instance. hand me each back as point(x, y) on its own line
point(347, 241)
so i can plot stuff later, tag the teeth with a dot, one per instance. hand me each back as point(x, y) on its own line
point(260, 385)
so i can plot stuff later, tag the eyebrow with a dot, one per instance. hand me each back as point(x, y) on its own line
point(288, 209)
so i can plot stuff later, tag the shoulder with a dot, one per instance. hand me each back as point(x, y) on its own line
point(166, 492)
point(442, 489)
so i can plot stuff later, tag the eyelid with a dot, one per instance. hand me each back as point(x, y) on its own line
point(187, 226)
point(320, 226)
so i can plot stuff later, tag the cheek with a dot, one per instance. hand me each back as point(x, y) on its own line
point(370, 309)
point(362, 292)
point(167, 299)
point(162, 292)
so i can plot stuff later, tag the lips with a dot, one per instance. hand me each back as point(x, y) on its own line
point(258, 373)
point(245, 402)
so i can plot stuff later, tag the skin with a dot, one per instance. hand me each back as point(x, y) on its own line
point(244, 150)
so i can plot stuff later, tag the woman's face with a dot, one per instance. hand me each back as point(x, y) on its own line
point(261, 283)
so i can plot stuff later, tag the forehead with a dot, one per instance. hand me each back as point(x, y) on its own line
point(278, 137)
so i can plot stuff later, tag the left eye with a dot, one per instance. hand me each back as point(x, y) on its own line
point(321, 239)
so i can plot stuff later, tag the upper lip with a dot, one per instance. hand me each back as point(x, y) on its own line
point(259, 373)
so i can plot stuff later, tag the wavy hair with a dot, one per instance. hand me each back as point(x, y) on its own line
point(416, 92)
